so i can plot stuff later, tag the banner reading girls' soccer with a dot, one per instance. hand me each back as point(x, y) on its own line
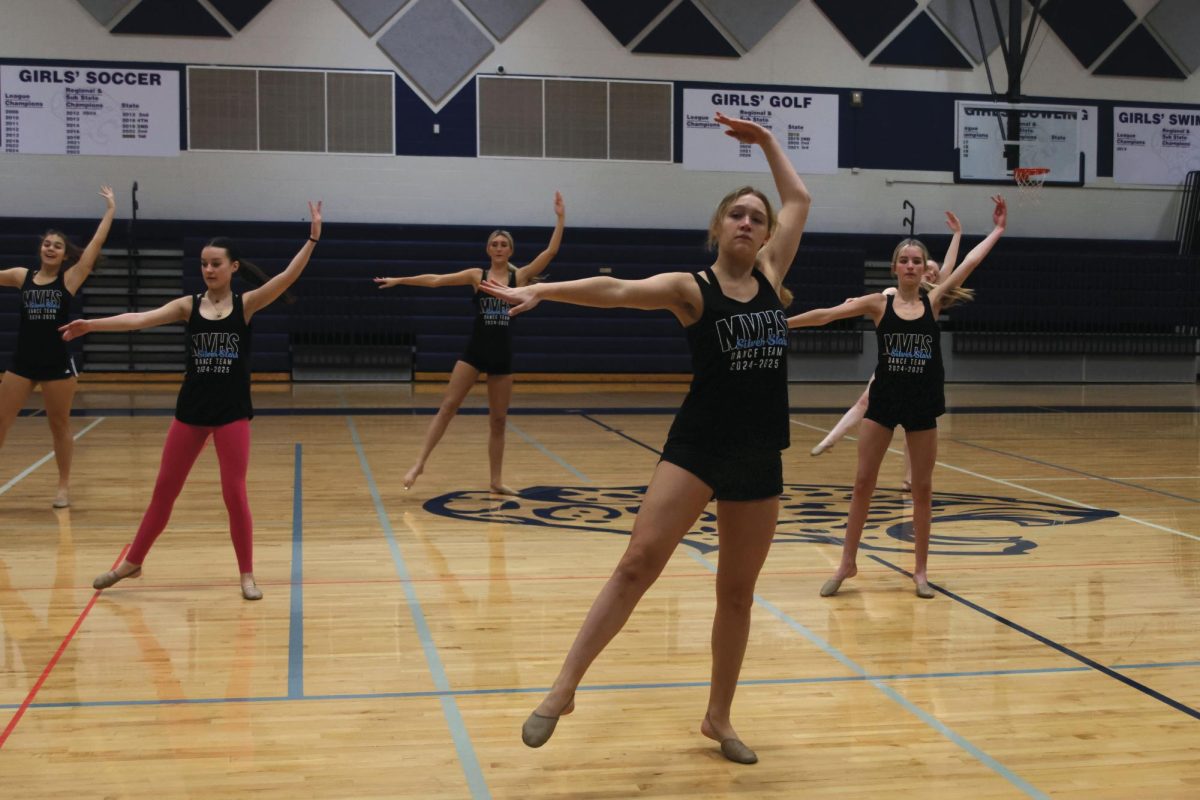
point(67, 109)
point(1155, 145)
point(805, 124)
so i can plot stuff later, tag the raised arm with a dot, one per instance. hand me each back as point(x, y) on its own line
point(79, 272)
point(952, 251)
point(178, 310)
point(776, 256)
point(972, 259)
point(869, 304)
point(534, 268)
point(257, 299)
point(466, 277)
point(676, 292)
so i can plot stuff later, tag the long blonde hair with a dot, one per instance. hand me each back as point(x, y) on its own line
point(949, 298)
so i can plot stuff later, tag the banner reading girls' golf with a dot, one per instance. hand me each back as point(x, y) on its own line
point(69, 109)
point(805, 124)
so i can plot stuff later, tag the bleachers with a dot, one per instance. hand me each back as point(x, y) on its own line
point(1032, 296)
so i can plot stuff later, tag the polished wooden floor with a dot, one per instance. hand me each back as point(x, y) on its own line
point(405, 636)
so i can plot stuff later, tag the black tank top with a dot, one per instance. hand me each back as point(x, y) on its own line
point(491, 333)
point(909, 373)
point(216, 388)
point(44, 309)
point(738, 399)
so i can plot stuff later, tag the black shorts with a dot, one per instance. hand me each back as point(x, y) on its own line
point(489, 363)
point(912, 420)
point(34, 371)
point(742, 476)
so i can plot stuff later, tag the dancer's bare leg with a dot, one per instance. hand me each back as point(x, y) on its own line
point(14, 391)
point(745, 529)
point(922, 446)
point(873, 441)
point(852, 417)
point(499, 396)
point(462, 378)
point(58, 396)
point(674, 500)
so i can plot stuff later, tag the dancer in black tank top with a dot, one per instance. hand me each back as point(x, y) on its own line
point(489, 350)
point(41, 356)
point(726, 440)
point(907, 389)
point(214, 401)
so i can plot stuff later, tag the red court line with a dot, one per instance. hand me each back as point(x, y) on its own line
point(62, 648)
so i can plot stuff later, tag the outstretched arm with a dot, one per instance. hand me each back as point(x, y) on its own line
point(13, 278)
point(952, 251)
point(776, 256)
point(527, 273)
point(972, 259)
point(77, 274)
point(257, 299)
point(466, 277)
point(869, 304)
point(178, 310)
point(674, 291)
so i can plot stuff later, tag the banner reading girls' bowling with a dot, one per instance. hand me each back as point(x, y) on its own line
point(805, 124)
point(72, 109)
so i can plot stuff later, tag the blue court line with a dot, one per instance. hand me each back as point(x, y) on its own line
point(1074, 471)
point(893, 695)
point(548, 453)
point(608, 687)
point(396, 411)
point(454, 720)
point(296, 615)
point(1066, 651)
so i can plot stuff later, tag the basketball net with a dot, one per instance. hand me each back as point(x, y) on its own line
point(1030, 181)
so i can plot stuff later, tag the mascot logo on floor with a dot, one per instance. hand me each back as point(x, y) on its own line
point(808, 513)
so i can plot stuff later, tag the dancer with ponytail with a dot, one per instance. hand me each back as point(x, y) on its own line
point(41, 356)
point(726, 441)
point(907, 390)
point(489, 350)
point(215, 397)
point(934, 274)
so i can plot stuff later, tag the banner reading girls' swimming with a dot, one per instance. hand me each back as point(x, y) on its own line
point(805, 124)
point(68, 109)
point(1155, 145)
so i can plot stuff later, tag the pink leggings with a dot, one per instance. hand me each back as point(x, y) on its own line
point(182, 448)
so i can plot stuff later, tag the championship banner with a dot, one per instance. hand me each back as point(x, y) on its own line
point(805, 124)
point(1155, 145)
point(66, 109)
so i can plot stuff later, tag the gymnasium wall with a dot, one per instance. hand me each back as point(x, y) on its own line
point(895, 153)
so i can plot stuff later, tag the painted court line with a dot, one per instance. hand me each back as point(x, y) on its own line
point(454, 720)
point(62, 648)
point(1048, 642)
point(296, 606)
point(608, 687)
point(45, 458)
point(1031, 490)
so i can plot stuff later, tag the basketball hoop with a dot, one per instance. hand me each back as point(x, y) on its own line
point(1030, 181)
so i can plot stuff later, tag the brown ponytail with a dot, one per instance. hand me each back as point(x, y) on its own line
point(251, 273)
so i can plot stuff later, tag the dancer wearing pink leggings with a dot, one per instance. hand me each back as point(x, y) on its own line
point(215, 397)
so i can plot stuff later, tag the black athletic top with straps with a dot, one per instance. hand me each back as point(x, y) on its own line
point(44, 309)
point(216, 388)
point(738, 400)
point(909, 374)
point(490, 346)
